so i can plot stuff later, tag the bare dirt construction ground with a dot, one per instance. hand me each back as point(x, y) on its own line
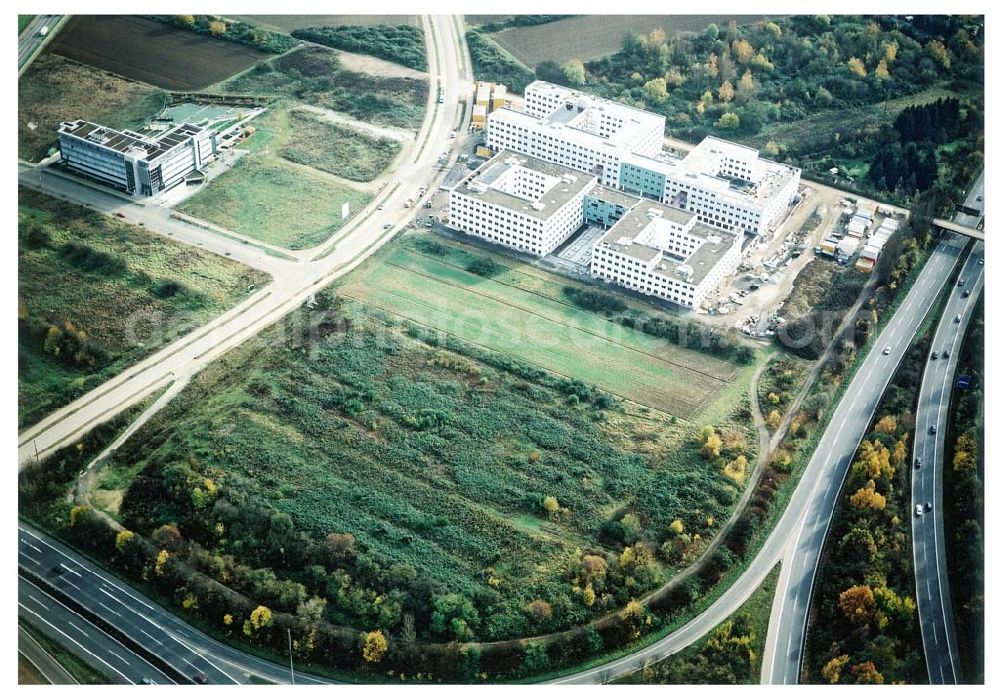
point(377, 66)
point(289, 23)
point(143, 49)
point(594, 36)
point(55, 89)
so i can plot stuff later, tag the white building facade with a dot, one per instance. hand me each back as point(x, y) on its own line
point(520, 202)
point(728, 186)
point(664, 252)
point(134, 163)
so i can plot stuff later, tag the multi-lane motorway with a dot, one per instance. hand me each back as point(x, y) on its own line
point(100, 594)
point(783, 651)
point(930, 566)
point(291, 287)
point(31, 40)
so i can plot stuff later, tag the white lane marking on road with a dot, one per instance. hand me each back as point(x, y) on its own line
point(126, 678)
point(77, 628)
point(108, 608)
point(33, 547)
point(158, 642)
point(29, 558)
point(44, 607)
point(119, 656)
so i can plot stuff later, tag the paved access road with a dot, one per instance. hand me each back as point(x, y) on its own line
point(184, 647)
point(930, 565)
point(804, 522)
point(293, 282)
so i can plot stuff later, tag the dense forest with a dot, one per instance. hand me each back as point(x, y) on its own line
point(821, 91)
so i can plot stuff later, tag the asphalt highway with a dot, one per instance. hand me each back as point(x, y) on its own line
point(183, 646)
point(783, 651)
point(930, 565)
point(81, 637)
point(52, 671)
point(293, 282)
point(30, 41)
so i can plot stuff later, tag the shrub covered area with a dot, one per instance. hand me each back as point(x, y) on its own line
point(232, 30)
point(315, 76)
point(421, 486)
point(403, 44)
point(96, 295)
point(492, 63)
point(336, 149)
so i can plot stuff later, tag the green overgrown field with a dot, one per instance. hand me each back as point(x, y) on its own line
point(399, 43)
point(304, 137)
point(55, 89)
point(525, 316)
point(814, 132)
point(729, 655)
point(96, 295)
point(23, 20)
point(389, 470)
point(272, 201)
point(314, 75)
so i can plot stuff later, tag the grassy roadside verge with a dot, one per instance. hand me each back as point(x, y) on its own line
point(77, 667)
point(730, 654)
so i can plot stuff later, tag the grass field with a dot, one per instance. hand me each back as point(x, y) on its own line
point(314, 75)
point(55, 89)
point(595, 36)
point(114, 282)
point(270, 200)
point(290, 22)
point(339, 150)
point(151, 51)
point(23, 20)
point(523, 315)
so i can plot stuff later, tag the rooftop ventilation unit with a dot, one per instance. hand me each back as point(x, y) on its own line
point(685, 272)
point(538, 206)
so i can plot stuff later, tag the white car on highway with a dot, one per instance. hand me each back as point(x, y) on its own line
point(919, 510)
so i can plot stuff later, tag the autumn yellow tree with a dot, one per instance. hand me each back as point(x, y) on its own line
point(260, 617)
point(857, 604)
point(882, 70)
point(540, 611)
point(217, 27)
point(122, 539)
point(161, 561)
point(375, 646)
point(868, 498)
point(939, 52)
point(865, 673)
point(736, 470)
point(856, 66)
point(743, 50)
point(831, 670)
point(551, 505)
point(886, 425)
point(726, 92)
point(773, 419)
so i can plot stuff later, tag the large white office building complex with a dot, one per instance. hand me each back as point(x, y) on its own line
point(576, 130)
point(134, 163)
point(728, 186)
point(665, 252)
point(520, 202)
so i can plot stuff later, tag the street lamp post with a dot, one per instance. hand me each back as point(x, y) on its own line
point(291, 666)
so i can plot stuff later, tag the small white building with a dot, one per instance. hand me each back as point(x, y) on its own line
point(520, 202)
point(665, 252)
